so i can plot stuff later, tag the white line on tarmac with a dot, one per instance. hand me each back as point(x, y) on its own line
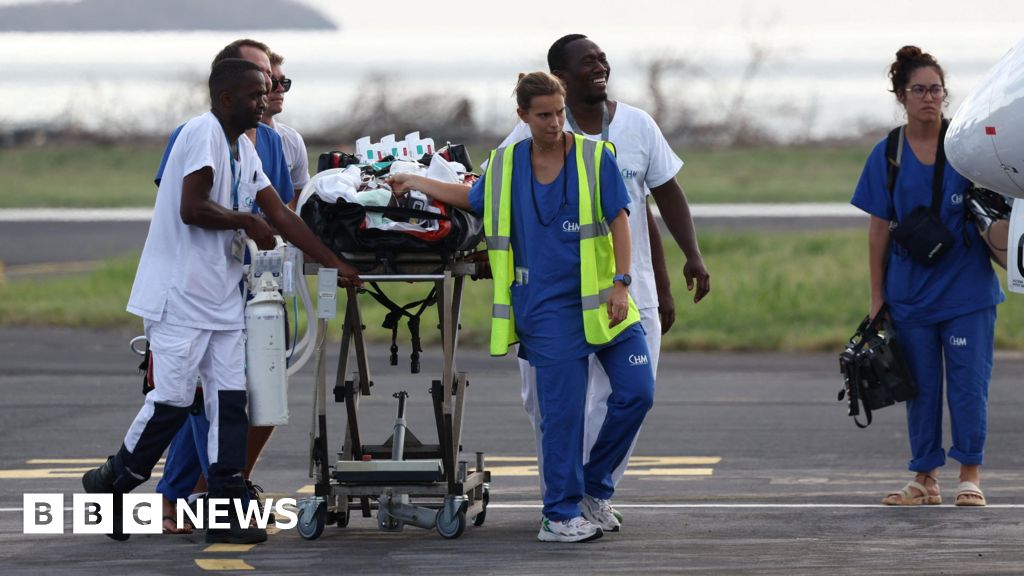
point(764, 506)
point(767, 210)
point(76, 215)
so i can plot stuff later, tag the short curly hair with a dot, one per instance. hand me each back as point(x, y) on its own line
point(558, 53)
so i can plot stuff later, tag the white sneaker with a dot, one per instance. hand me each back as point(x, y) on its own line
point(599, 512)
point(578, 529)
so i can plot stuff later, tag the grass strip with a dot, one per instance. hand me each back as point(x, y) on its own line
point(791, 291)
point(80, 176)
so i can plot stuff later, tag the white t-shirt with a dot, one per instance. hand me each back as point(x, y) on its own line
point(187, 275)
point(646, 161)
point(294, 154)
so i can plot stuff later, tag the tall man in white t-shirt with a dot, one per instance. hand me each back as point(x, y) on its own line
point(649, 167)
point(186, 291)
point(291, 141)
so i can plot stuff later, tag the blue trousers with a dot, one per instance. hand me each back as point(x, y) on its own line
point(562, 399)
point(964, 344)
point(186, 457)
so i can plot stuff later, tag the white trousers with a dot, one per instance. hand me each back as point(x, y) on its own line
point(598, 391)
point(180, 353)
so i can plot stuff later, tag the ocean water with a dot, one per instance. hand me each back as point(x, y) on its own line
point(822, 74)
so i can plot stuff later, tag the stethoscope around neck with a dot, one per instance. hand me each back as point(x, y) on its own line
point(565, 185)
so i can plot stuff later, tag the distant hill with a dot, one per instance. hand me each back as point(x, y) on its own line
point(151, 15)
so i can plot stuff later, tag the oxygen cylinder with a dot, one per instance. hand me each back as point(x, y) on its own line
point(265, 344)
point(266, 367)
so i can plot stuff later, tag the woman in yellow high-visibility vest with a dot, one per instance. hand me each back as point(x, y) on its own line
point(555, 216)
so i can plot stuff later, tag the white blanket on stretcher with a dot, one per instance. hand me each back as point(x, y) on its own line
point(347, 183)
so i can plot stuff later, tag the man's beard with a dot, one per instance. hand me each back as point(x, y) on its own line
point(595, 98)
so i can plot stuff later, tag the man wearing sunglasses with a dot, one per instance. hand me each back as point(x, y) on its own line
point(294, 146)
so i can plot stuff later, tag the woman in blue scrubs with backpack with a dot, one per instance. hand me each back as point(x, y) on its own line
point(555, 218)
point(943, 311)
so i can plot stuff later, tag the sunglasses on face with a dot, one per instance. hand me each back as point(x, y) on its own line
point(285, 83)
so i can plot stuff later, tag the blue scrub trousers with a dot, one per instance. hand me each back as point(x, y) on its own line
point(562, 398)
point(965, 344)
point(186, 458)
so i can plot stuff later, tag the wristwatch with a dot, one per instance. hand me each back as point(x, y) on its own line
point(624, 278)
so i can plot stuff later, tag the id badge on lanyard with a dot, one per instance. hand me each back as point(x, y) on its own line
point(238, 240)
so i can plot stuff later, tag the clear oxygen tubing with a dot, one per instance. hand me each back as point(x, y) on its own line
point(303, 350)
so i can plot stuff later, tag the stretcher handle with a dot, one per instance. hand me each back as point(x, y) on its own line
point(401, 277)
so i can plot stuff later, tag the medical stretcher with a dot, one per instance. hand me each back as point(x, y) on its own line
point(403, 479)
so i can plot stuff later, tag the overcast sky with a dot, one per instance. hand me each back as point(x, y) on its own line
point(832, 53)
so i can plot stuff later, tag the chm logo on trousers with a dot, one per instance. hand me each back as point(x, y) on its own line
point(637, 359)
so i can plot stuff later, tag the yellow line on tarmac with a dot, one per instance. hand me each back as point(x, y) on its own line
point(61, 468)
point(671, 472)
point(510, 471)
point(47, 473)
point(634, 461)
point(70, 461)
point(229, 548)
point(218, 564)
point(509, 459)
point(507, 471)
point(638, 466)
point(73, 461)
point(674, 460)
point(513, 470)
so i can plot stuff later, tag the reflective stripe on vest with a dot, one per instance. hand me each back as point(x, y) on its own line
point(497, 223)
point(597, 254)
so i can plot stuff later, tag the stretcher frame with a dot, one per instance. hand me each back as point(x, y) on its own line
point(452, 496)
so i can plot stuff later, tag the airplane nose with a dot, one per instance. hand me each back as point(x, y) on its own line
point(985, 139)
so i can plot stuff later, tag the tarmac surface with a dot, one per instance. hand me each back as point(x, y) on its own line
point(746, 465)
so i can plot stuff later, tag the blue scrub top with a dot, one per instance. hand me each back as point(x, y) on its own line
point(547, 308)
point(962, 281)
point(271, 153)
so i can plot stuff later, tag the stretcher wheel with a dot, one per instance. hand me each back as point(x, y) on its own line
point(450, 527)
point(478, 520)
point(312, 520)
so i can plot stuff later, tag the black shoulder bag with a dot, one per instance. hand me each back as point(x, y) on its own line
point(875, 372)
point(921, 233)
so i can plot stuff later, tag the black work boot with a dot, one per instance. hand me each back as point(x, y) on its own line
point(235, 533)
point(255, 491)
point(101, 481)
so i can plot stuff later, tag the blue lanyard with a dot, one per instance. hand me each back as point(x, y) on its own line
point(236, 175)
point(576, 127)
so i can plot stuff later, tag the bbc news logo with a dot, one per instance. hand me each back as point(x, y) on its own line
point(143, 513)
